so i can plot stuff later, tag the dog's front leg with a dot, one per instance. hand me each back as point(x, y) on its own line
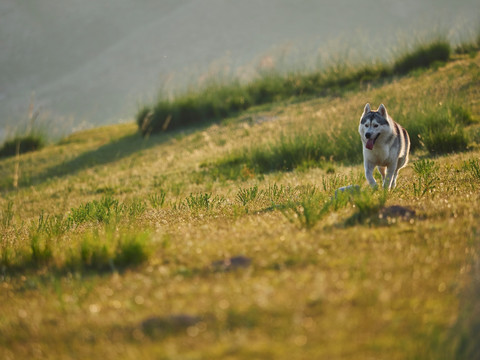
point(369, 167)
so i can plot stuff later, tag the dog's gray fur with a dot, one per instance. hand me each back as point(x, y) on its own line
point(386, 145)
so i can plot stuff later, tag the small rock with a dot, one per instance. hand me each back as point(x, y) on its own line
point(233, 263)
point(397, 211)
point(350, 189)
point(156, 325)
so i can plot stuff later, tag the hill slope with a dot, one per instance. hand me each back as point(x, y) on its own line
point(123, 247)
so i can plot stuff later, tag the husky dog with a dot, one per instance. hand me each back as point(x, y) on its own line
point(386, 145)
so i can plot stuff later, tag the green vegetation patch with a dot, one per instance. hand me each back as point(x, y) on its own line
point(424, 56)
point(107, 210)
point(440, 129)
point(290, 152)
point(110, 250)
point(21, 145)
point(217, 101)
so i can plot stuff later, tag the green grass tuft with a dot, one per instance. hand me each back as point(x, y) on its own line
point(132, 250)
point(426, 171)
point(22, 145)
point(314, 205)
point(423, 57)
point(157, 200)
point(40, 250)
point(469, 47)
point(202, 201)
point(7, 214)
point(290, 152)
point(110, 250)
point(245, 196)
point(105, 210)
point(440, 129)
point(368, 205)
point(193, 108)
point(309, 210)
point(51, 225)
point(92, 254)
point(473, 167)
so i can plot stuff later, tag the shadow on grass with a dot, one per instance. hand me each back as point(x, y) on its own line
point(102, 155)
point(110, 152)
point(105, 154)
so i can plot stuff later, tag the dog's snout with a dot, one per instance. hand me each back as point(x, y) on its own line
point(368, 135)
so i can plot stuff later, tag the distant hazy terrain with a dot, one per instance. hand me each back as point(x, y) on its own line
point(93, 63)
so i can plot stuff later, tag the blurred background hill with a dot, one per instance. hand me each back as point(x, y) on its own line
point(84, 64)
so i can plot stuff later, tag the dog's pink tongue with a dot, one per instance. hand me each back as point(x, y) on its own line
point(370, 143)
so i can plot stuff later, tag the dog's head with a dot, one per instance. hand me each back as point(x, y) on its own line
point(373, 125)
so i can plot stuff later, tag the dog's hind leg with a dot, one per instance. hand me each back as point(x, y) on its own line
point(381, 170)
point(393, 183)
point(390, 179)
point(400, 164)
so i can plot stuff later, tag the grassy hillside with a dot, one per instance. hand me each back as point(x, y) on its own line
point(190, 245)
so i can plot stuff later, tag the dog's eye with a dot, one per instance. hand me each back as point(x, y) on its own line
point(366, 125)
point(375, 126)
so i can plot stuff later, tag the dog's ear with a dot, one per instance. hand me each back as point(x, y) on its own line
point(367, 109)
point(382, 110)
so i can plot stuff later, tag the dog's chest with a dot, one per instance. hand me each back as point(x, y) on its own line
point(379, 155)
